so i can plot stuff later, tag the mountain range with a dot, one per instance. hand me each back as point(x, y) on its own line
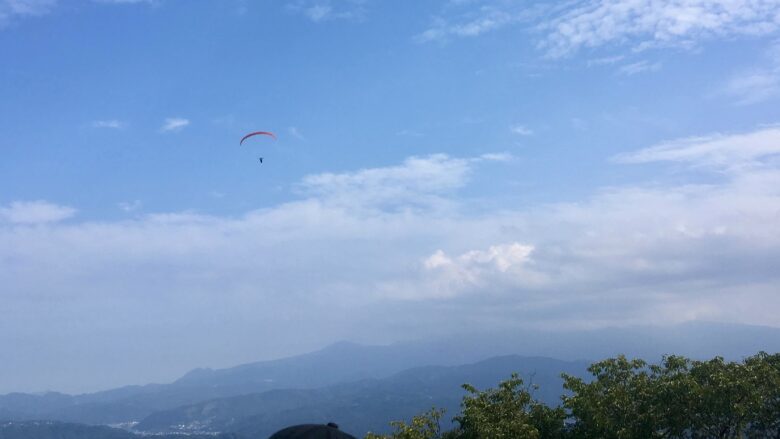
point(353, 382)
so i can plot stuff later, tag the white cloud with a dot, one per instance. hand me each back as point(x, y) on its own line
point(733, 151)
point(643, 24)
point(174, 124)
point(639, 67)
point(110, 123)
point(10, 9)
point(35, 212)
point(471, 272)
point(522, 130)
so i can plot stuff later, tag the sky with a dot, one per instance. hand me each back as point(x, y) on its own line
point(441, 167)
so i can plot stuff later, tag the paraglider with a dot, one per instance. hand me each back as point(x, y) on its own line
point(258, 133)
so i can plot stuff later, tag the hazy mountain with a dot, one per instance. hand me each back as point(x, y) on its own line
point(347, 362)
point(340, 362)
point(698, 340)
point(363, 405)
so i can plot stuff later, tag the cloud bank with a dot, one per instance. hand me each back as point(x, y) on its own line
point(35, 212)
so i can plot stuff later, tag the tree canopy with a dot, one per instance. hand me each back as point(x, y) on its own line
point(623, 398)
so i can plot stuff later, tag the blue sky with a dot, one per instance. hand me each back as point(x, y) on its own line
point(442, 166)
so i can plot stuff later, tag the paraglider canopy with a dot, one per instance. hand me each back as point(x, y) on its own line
point(257, 133)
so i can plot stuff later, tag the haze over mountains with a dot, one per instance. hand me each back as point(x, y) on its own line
point(364, 387)
point(361, 406)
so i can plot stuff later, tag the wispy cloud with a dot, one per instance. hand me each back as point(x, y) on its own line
point(295, 132)
point(110, 123)
point(470, 24)
point(579, 123)
point(642, 24)
point(130, 206)
point(521, 130)
point(419, 181)
point(317, 13)
point(733, 151)
point(422, 182)
point(606, 60)
point(756, 84)
point(174, 124)
point(227, 121)
point(325, 10)
point(753, 86)
point(409, 133)
point(10, 9)
point(639, 67)
point(129, 2)
point(567, 27)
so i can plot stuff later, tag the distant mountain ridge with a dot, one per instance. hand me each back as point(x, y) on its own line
point(365, 405)
point(349, 362)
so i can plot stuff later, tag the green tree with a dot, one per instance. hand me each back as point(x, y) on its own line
point(507, 412)
point(678, 398)
point(674, 397)
point(616, 404)
point(424, 426)
point(765, 369)
point(735, 400)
